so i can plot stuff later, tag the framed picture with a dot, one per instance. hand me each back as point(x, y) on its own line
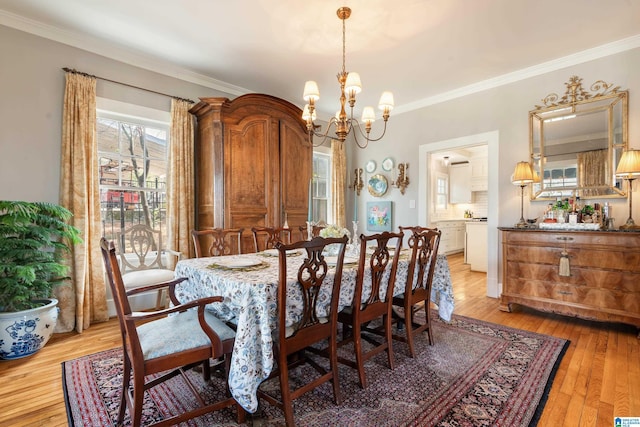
point(379, 216)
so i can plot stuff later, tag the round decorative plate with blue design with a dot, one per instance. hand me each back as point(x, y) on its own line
point(378, 185)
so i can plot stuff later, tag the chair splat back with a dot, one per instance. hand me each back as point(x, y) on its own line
point(266, 237)
point(423, 243)
point(217, 241)
point(140, 248)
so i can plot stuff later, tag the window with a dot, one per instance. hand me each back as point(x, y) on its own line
point(442, 185)
point(321, 202)
point(133, 162)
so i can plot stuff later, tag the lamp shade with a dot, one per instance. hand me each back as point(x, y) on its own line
point(311, 91)
point(368, 115)
point(523, 174)
point(353, 83)
point(386, 101)
point(629, 166)
point(305, 114)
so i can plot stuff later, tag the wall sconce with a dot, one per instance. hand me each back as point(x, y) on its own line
point(445, 161)
point(357, 181)
point(402, 181)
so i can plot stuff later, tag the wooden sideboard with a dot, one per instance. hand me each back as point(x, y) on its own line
point(253, 163)
point(604, 273)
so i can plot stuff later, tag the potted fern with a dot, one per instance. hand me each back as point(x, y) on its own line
point(33, 239)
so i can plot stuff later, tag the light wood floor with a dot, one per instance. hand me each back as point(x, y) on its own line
point(599, 376)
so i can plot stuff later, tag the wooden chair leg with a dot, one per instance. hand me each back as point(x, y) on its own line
point(357, 345)
point(287, 405)
point(389, 338)
point(126, 380)
point(333, 355)
point(427, 316)
point(138, 398)
point(408, 326)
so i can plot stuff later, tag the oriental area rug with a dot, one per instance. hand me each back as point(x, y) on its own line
point(475, 374)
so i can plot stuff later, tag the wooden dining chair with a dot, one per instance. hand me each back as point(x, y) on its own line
point(376, 266)
point(160, 345)
point(266, 237)
point(423, 243)
point(315, 324)
point(142, 259)
point(315, 231)
point(217, 241)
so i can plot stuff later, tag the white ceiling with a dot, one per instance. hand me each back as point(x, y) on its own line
point(424, 51)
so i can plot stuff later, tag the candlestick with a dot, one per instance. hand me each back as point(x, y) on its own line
point(354, 236)
point(355, 209)
point(309, 214)
point(309, 230)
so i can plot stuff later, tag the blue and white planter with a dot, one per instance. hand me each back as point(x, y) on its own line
point(22, 333)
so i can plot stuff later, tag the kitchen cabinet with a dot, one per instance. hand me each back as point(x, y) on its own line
point(475, 248)
point(603, 281)
point(253, 163)
point(479, 174)
point(460, 183)
point(451, 237)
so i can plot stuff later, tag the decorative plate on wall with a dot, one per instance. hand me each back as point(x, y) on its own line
point(387, 164)
point(371, 166)
point(378, 185)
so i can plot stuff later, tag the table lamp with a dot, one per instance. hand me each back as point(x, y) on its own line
point(522, 176)
point(629, 169)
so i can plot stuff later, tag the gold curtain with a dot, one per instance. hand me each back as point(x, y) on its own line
point(82, 301)
point(592, 170)
point(180, 185)
point(338, 181)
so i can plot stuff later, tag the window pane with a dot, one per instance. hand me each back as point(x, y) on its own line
point(321, 186)
point(133, 170)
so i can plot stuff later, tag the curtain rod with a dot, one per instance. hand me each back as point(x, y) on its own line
point(74, 71)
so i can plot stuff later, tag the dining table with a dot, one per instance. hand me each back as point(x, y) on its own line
point(248, 283)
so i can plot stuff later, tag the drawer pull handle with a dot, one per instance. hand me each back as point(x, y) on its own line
point(564, 269)
point(565, 293)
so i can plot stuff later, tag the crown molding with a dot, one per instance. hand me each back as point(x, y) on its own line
point(127, 56)
point(525, 73)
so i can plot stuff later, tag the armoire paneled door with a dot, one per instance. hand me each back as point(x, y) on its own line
point(253, 163)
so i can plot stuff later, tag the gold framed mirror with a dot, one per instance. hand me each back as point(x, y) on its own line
point(576, 141)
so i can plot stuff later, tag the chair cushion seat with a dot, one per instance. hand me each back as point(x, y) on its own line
point(177, 333)
point(137, 279)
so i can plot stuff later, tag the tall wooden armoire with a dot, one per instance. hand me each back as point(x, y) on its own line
point(253, 163)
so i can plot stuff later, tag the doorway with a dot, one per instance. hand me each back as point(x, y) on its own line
point(424, 185)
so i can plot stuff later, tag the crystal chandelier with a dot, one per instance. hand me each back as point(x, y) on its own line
point(350, 86)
